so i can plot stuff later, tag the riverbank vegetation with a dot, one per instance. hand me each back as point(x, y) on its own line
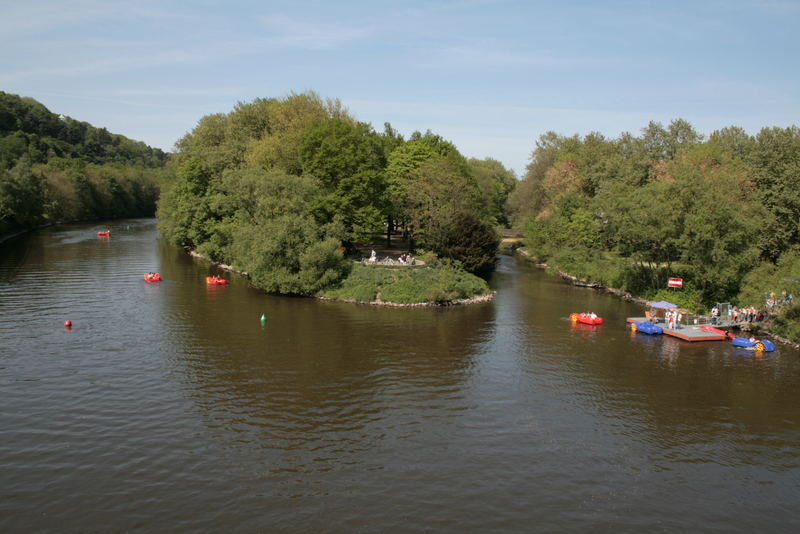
point(287, 189)
point(722, 213)
point(54, 168)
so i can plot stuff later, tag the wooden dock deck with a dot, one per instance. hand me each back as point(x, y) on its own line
point(685, 332)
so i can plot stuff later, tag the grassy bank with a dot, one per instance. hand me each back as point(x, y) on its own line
point(407, 285)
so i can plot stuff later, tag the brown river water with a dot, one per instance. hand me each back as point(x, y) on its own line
point(169, 407)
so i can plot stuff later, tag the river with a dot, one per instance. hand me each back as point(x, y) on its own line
point(170, 407)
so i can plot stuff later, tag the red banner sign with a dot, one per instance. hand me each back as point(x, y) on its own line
point(675, 282)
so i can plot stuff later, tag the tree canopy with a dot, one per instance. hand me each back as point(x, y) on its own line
point(345, 184)
point(662, 204)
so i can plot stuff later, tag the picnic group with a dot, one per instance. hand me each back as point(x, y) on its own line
point(404, 259)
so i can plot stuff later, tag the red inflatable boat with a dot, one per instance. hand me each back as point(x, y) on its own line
point(104, 234)
point(585, 318)
point(711, 329)
point(215, 281)
point(152, 277)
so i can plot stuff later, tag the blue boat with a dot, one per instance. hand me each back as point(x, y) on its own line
point(760, 345)
point(648, 328)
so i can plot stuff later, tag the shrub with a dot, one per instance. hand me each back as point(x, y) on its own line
point(407, 285)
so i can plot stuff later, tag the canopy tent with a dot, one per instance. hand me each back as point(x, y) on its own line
point(663, 305)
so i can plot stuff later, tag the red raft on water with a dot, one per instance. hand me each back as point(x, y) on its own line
point(105, 233)
point(585, 318)
point(707, 328)
point(152, 277)
point(215, 281)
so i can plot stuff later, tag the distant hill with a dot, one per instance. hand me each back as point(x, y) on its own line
point(55, 168)
point(27, 127)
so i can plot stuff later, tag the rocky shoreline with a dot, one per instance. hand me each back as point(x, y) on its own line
point(378, 302)
point(222, 266)
point(624, 295)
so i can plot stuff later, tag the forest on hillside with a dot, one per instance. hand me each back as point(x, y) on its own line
point(723, 213)
point(54, 168)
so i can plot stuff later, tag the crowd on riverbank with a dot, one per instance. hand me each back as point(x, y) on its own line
point(734, 315)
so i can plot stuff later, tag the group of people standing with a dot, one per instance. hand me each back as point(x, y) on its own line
point(673, 319)
point(745, 314)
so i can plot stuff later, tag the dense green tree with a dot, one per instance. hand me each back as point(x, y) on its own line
point(425, 175)
point(663, 203)
point(496, 184)
point(465, 238)
point(287, 121)
point(336, 149)
point(528, 198)
point(183, 208)
point(664, 144)
point(349, 159)
point(440, 189)
point(647, 222)
point(718, 239)
point(274, 236)
point(776, 158)
point(22, 193)
point(734, 141)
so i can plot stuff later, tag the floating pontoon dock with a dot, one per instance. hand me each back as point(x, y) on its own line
point(685, 332)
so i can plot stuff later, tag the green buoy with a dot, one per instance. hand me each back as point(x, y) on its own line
point(263, 318)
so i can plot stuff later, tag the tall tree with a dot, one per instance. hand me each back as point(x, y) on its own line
point(411, 167)
point(496, 183)
point(349, 159)
point(776, 157)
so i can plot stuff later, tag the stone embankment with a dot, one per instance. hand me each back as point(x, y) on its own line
point(457, 302)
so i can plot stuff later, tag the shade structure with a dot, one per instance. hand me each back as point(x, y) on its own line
point(663, 304)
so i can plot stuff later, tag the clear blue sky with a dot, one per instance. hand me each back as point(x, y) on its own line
point(489, 75)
